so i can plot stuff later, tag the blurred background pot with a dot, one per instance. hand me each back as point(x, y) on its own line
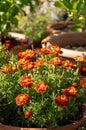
point(16, 42)
point(59, 27)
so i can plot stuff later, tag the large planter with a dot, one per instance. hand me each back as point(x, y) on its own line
point(73, 126)
point(25, 42)
point(22, 47)
point(59, 27)
point(72, 39)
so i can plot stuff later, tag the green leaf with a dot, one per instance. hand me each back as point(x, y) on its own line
point(31, 5)
point(14, 21)
point(79, 5)
point(67, 4)
point(24, 2)
point(15, 10)
point(58, 4)
point(37, 2)
point(75, 28)
point(64, 4)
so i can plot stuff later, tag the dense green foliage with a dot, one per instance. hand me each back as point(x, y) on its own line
point(76, 10)
point(9, 9)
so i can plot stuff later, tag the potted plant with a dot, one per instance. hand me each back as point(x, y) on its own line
point(76, 19)
point(8, 21)
point(73, 43)
point(40, 89)
point(59, 27)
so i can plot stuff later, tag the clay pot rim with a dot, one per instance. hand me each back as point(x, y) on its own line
point(72, 53)
point(21, 36)
point(72, 126)
point(60, 24)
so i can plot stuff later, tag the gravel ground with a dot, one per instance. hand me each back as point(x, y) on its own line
point(80, 48)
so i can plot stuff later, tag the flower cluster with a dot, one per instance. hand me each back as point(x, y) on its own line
point(12, 42)
point(42, 88)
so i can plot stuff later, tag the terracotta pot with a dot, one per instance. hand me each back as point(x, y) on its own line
point(20, 37)
point(59, 27)
point(72, 126)
point(73, 39)
point(23, 47)
point(19, 48)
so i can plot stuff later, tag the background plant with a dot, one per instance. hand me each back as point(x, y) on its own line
point(76, 12)
point(34, 23)
point(9, 9)
point(36, 28)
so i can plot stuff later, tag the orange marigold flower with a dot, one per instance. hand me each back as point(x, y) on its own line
point(28, 66)
point(14, 68)
point(26, 81)
point(29, 54)
point(71, 91)
point(6, 69)
point(41, 87)
point(83, 70)
point(83, 83)
point(8, 45)
point(80, 59)
point(22, 54)
point(39, 63)
point(22, 99)
point(21, 62)
point(67, 63)
point(75, 85)
point(42, 51)
point(55, 50)
point(74, 66)
point(61, 100)
point(56, 61)
point(21, 42)
point(28, 114)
